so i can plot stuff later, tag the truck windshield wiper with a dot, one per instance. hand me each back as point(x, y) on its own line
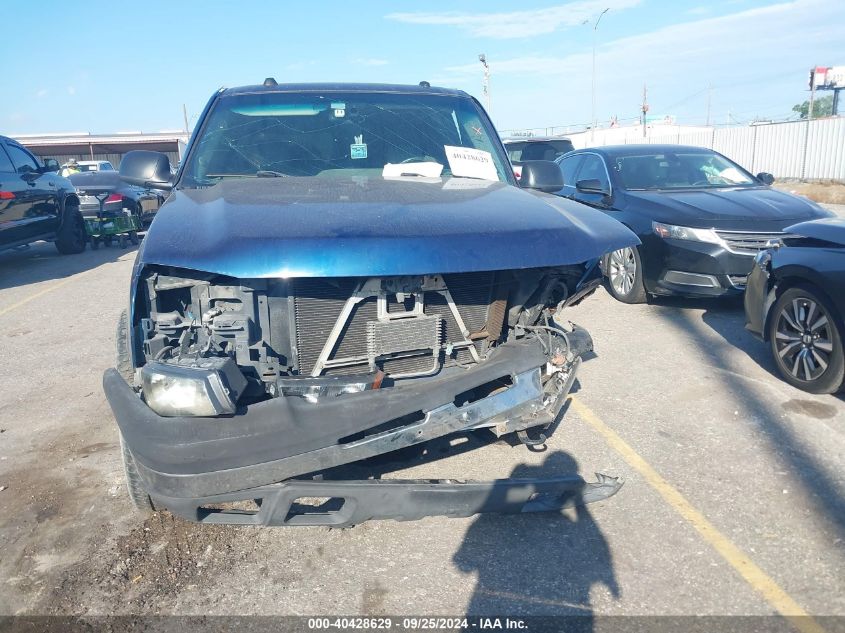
point(267, 173)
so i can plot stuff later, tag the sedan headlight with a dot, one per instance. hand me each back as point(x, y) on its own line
point(670, 231)
point(205, 387)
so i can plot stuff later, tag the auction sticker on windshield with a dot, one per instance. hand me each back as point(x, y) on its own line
point(471, 163)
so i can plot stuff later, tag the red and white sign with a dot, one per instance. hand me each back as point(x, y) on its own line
point(827, 77)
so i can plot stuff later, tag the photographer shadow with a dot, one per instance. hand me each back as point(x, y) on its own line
point(538, 564)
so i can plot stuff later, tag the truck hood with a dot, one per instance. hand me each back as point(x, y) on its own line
point(713, 207)
point(362, 226)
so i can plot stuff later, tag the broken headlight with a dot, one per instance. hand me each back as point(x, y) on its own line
point(313, 389)
point(200, 387)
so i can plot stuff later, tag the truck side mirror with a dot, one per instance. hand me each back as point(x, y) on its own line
point(543, 175)
point(147, 169)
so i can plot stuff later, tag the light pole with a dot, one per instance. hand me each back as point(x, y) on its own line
point(486, 85)
point(593, 120)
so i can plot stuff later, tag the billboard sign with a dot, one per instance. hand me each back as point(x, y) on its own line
point(827, 78)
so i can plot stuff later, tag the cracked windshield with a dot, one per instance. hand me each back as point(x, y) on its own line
point(325, 134)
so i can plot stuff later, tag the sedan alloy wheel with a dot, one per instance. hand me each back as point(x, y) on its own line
point(806, 341)
point(803, 339)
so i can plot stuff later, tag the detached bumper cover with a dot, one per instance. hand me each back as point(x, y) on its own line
point(758, 301)
point(275, 440)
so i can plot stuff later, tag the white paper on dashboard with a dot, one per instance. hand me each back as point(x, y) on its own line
point(472, 163)
point(397, 170)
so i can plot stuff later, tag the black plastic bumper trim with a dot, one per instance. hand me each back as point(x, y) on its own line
point(401, 500)
point(288, 437)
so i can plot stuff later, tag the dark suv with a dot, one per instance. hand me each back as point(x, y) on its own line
point(342, 271)
point(36, 203)
point(537, 148)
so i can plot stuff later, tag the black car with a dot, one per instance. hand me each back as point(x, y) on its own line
point(36, 203)
point(115, 195)
point(701, 218)
point(795, 300)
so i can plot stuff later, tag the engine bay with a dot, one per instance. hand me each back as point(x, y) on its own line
point(308, 337)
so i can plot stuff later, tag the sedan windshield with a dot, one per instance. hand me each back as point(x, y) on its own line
point(679, 170)
point(350, 133)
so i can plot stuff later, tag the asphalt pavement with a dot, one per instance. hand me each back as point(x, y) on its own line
point(733, 503)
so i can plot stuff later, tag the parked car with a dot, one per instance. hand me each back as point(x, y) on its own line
point(701, 218)
point(115, 194)
point(342, 271)
point(795, 300)
point(536, 148)
point(36, 203)
point(94, 165)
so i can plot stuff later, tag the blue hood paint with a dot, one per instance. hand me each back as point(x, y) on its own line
point(829, 230)
point(366, 226)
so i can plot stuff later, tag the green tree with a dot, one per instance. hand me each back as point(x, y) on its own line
point(821, 107)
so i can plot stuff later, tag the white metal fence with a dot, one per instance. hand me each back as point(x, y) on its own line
point(798, 149)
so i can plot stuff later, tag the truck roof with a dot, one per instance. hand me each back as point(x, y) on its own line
point(343, 87)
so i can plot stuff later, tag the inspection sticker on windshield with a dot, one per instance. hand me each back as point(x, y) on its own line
point(358, 149)
point(471, 163)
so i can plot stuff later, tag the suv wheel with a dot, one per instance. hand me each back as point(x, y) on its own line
point(71, 237)
point(806, 341)
point(137, 492)
point(624, 272)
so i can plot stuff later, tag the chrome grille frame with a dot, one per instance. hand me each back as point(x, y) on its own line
point(748, 243)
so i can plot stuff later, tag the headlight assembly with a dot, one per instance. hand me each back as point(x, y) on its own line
point(670, 231)
point(204, 387)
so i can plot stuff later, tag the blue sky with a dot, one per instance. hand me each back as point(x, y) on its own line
point(109, 67)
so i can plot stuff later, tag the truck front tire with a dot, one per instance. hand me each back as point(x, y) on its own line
point(137, 492)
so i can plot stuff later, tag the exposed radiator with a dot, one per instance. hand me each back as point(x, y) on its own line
point(319, 302)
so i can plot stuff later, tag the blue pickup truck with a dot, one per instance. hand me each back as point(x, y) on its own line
point(341, 271)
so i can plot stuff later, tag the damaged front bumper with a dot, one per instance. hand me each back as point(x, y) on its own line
point(349, 503)
point(189, 464)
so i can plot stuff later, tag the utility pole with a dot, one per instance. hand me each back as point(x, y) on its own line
point(644, 107)
point(185, 114)
point(809, 118)
point(812, 93)
point(709, 93)
point(593, 121)
point(486, 85)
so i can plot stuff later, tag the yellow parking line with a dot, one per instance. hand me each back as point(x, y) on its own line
point(781, 601)
point(43, 292)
